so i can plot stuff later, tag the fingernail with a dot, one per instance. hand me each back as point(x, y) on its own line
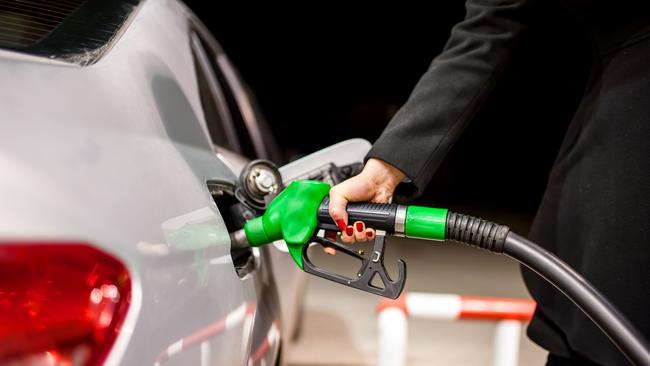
point(359, 226)
point(341, 224)
point(369, 233)
point(349, 230)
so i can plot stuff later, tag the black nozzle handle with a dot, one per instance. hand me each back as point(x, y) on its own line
point(380, 216)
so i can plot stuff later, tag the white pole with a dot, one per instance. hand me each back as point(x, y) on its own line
point(506, 343)
point(393, 337)
point(205, 353)
point(433, 306)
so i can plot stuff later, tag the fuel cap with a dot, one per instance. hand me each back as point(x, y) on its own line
point(260, 181)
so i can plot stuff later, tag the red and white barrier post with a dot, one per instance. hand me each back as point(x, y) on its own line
point(393, 322)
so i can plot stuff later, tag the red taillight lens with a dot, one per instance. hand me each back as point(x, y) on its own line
point(60, 304)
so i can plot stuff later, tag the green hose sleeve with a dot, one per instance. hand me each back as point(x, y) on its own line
point(425, 222)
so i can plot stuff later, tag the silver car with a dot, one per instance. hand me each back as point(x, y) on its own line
point(123, 130)
point(112, 247)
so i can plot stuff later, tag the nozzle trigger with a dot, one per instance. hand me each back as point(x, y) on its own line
point(372, 266)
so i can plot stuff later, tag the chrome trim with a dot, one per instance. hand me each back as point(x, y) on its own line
point(238, 240)
point(400, 219)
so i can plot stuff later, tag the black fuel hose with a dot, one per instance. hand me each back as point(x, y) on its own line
point(499, 239)
point(615, 326)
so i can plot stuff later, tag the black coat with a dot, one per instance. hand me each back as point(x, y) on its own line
point(595, 213)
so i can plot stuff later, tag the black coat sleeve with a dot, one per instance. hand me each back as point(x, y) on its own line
point(453, 89)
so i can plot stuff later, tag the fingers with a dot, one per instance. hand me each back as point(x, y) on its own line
point(370, 234)
point(352, 233)
point(332, 236)
point(357, 233)
point(330, 251)
point(347, 235)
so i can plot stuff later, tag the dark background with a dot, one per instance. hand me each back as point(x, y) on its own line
point(322, 75)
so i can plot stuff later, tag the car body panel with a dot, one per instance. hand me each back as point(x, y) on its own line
point(116, 154)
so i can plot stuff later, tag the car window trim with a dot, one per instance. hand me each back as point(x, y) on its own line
point(217, 94)
point(244, 105)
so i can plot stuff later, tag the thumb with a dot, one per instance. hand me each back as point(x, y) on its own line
point(354, 189)
point(338, 203)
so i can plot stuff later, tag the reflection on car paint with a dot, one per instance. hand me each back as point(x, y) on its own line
point(152, 249)
point(267, 344)
point(196, 231)
point(243, 314)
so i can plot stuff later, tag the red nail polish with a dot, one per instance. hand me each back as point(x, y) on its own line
point(349, 230)
point(359, 226)
point(369, 234)
point(341, 224)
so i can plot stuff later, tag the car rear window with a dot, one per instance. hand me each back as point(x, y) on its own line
point(70, 30)
point(24, 23)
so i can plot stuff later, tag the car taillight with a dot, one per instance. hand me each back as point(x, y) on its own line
point(60, 303)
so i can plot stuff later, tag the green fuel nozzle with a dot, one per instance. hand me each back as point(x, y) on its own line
point(291, 216)
point(302, 208)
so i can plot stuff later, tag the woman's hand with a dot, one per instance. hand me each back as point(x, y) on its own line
point(376, 183)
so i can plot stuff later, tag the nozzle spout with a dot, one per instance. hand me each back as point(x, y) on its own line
point(238, 240)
